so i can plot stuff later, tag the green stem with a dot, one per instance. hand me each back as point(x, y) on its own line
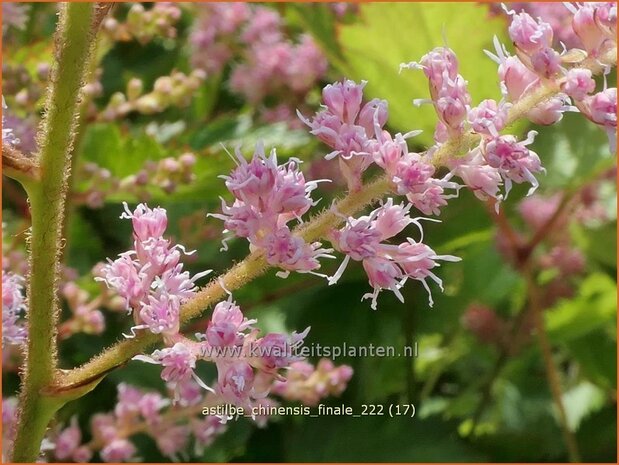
point(47, 198)
point(552, 373)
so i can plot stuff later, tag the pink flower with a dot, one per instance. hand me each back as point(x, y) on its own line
point(150, 278)
point(161, 313)
point(68, 441)
point(382, 274)
point(417, 259)
point(147, 223)
point(13, 307)
point(601, 108)
point(392, 219)
point(514, 160)
point(448, 90)
point(488, 118)
point(310, 384)
point(477, 175)
point(292, 253)
point(178, 362)
point(348, 127)
point(387, 266)
point(236, 383)
point(119, 450)
point(275, 351)
point(252, 182)
point(343, 99)
point(172, 440)
point(226, 325)
point(593, 23)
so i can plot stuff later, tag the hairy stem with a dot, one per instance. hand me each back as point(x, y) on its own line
point(47, 198)
point(254, 264)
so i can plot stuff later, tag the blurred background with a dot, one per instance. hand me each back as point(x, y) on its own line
point(175, 81)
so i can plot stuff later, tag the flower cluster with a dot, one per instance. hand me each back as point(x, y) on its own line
point(595, 24)
point(187, 424)
point(388, 266)
point(267, 197)
point(150, 277)
point(86, 317)
point(175, 90)
point(166, 174)
point(310, 384)
point(349, 127)
point(14, 14)
point(13, 309)
point(269, 62)
point(145, 24)
point(246, 364)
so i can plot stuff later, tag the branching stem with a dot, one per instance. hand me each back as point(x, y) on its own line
point(47, 199)
point(254, 264)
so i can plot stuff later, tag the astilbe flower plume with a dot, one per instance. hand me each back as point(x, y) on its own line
point(267, 60)
point(268, 196)
point(150, 277)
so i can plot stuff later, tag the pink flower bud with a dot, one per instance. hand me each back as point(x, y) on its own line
point(488, 118)
point(578, 83)
point(178, 362)
point(546, 62)
point(516, 77)
point(147, 223)
point(82, 454)
point(226, 324)
point(601, 108)
point(343, 99)
point(528, 34)
point(587, 28)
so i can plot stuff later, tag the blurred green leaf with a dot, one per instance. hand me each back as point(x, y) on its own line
point(388, 34)
point(580, 401)
point(573, 152)
point(596, 353)
point(595, 306)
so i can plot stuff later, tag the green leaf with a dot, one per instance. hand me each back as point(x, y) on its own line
point(389, 34)
point(573, 152)
point(580, 401)
point(594, 307)
point(122, 154)
point(596, 354)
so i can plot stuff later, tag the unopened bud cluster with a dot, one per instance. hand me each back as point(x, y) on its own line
point(144, 24)
point(175, 90)
point(166, 174)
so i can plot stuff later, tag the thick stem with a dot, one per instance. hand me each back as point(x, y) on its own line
point(47, 198)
